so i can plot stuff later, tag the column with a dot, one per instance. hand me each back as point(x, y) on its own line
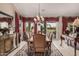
point(17, 28)
point(14, 35)
point(59, 28)
point(24, 30)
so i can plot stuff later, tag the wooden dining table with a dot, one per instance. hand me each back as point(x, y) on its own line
point(48, 41)
point(31, 39)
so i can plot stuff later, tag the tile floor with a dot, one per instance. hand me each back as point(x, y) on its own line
point(57, 50)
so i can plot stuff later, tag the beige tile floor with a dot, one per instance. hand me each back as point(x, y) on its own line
point(16, 50)
point(65, 50)
point(22, 50)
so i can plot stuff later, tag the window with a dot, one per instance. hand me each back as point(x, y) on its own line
point(27, 26)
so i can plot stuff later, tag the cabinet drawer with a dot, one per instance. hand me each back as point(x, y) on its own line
point(2, 46)
point(8, 45)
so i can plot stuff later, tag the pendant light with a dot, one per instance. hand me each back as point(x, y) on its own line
point(39, 18)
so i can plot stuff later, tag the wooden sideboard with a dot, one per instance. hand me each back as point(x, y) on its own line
point(6, 44)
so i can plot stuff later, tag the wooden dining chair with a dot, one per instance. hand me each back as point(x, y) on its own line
point(39, 45)
point(49, 44)
point(49, 35)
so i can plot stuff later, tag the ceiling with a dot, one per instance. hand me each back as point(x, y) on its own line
point(48, 9)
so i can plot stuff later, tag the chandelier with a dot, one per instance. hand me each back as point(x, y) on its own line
point(39, 18)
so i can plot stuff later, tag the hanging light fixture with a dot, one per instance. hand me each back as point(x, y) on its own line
point(39, 18)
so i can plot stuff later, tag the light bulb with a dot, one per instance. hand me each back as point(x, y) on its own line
point(35, 19)
point(38, 18)
point(76, 22)
point(42, 18)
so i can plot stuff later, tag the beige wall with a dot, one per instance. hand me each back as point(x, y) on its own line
point(7, 8)
point(10, 9)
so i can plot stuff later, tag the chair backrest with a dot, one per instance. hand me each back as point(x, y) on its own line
point(48, 35)
point(39, 41)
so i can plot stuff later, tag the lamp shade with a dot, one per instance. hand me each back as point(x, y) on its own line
point(35, 19)
point(42, 18)
point(38, 18)
point(76, 22)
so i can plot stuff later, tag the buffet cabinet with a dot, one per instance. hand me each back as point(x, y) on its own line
point(6, 44)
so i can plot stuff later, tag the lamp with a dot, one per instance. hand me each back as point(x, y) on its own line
point(38, 18)
point(35, 19)
point(42, 18)
point(76, 22)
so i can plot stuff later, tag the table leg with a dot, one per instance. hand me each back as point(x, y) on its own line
point(75, 43)
point(61, 42)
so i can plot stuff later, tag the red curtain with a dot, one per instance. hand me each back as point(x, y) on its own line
point(24, 20)
point(35, 28)
point(16, 22)
point(54, 19)
point(51, 19)
point(64, 22)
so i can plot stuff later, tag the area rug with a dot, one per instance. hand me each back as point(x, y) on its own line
point(24, 50)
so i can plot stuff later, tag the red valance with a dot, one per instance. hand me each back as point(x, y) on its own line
point(51, 19)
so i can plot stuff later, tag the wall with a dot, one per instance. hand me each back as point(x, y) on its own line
point(7, 8)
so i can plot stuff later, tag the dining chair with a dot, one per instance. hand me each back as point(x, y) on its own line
point(49, 43)
point(39, 45)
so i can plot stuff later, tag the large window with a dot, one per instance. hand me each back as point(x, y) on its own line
point(51, 27)
point(27, 26)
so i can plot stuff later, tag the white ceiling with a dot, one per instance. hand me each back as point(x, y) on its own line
point(48, 9)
